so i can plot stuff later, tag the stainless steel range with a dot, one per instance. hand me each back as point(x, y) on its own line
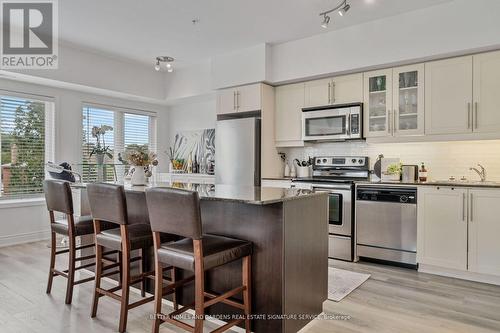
point(336, 175)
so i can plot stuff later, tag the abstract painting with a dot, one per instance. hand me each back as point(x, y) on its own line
point(198, 143)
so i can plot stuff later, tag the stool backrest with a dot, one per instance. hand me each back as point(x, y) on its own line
point(58, 196)
point(107, 202)
point(174, 211)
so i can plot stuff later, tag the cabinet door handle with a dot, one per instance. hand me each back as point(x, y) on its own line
point(394, 121)
point(333, 92)
point(237, 100)
point(464, 204)
point(389, 121)
point(234, 100)
point(475, 114)
point(468, 115)
point(471, 208)
point(329, 93)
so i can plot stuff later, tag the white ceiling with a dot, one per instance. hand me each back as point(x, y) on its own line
point(142, 29)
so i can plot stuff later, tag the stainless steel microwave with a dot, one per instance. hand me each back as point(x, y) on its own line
point(343, 122)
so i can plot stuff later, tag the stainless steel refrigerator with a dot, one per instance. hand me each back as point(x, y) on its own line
point(237, 154)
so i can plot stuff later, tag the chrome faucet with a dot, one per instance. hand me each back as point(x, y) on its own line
point(482, 173)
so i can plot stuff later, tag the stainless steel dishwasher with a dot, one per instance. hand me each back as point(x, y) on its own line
point(386, 224)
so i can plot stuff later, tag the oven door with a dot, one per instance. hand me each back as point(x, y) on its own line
point(330, 124)
point(340, 208)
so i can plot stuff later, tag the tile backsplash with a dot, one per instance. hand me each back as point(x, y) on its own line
point(442, 159)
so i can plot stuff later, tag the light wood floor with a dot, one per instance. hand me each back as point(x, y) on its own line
point(392, 300)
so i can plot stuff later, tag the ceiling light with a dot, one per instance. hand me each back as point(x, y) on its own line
point(325, 22)
point(166, 59)
point(344, 9)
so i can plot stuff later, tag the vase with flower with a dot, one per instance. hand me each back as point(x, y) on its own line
point(101, 150)
point(142, 162)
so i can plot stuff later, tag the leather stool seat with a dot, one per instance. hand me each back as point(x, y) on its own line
point(217, 251)
point(140, 236)
point(84, 225)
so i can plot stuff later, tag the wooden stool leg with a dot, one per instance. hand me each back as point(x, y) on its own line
point(158, 295)
point(142, 269)
point(199, 287)
point(125, 290)
point(247, 283)
point(98, 273)
point(52, 261)
point(71, 270)
point(174, 295)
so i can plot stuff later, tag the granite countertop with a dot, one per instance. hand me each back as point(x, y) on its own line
point(458, 183)
point(243, 194)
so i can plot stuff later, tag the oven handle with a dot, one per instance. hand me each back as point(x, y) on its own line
point(331, 187)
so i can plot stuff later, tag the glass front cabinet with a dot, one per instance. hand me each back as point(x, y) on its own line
point(394, 102)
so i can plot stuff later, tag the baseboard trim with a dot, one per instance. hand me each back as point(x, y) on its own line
point(464, 275)
point(28, 237)
point(169, 303)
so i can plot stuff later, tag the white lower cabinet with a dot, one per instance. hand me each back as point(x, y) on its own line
point(442, 227)
point(459, 229)
point(484, 231)
point(277, 183)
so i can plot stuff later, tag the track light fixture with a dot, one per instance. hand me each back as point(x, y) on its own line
point(326, 21)
point(165, 59)
point(342, 9)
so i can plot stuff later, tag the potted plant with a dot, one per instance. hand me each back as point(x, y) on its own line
point(176, 163)
point(101, 150)
point(394, 171)
point(142, 162)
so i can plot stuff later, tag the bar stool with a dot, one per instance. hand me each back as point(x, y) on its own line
point(59, 199)
point(108, 203)
point(176, 211)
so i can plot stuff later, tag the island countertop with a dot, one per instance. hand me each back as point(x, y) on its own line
point(254, 195)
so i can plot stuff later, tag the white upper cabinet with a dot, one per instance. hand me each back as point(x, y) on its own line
point(347, 89)
point(288, 118)
point(408, 100)
point(484, 231)
point(442, 227)
point(318, 93)
point(226, 101)
point(249, 98)
point(448, 96)
point(486, 92)
point(239, 99)
point(378, 103)
point(338, 90)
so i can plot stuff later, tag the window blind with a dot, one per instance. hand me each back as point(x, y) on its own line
point(130, 131)
point(24, 145)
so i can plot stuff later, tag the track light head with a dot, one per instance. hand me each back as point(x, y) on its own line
point(344, 9)
point(157, 66)
point(326, 21)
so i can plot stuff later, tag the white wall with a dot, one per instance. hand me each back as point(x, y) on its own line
point(186, 82)
point(443, 159)
point(450, 28)
point(86, 68)
point(244, 66)
point(30, 222)
point(192, 116)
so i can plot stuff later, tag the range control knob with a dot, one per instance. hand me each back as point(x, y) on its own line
point(353, 160)
point(324, 160)
point(318, 161)
point(361, 161)
point(403, 198)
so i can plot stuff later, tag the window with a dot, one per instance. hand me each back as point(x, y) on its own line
point(129, 130)
point(26, 145)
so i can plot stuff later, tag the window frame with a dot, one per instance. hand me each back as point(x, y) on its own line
point(119, 126)
point(50, 138)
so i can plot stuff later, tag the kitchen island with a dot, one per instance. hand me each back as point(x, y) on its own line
point(289, 232)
